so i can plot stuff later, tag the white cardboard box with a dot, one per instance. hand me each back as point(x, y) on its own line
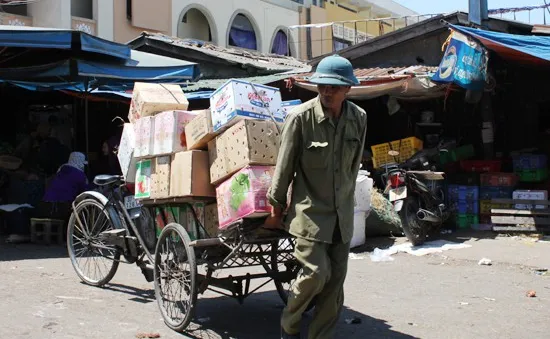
point(530, 195)
point(145, 129)
point(149, 99)
point(237, 100)
point(169, 136)
point(287, 106)
point(125, 153)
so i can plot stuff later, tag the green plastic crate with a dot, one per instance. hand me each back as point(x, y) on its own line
point(457, 154)
point(533, 175)
point(464, 221)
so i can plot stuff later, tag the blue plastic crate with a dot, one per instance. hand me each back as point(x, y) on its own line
point(527, 162)
point(465, 207)
point(496, 192)
point(457, 193)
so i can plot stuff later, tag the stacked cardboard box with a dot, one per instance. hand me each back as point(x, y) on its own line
point(226, 152)
point(153, 152)
point(242, 139)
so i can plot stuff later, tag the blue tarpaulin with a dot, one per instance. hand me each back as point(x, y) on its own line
point(34, 37)
point(141, 67)
point(521, 48)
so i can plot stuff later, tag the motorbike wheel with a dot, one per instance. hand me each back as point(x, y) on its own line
point(415, 230)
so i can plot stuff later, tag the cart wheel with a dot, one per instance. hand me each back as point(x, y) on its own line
point(291, 266)
point(175, 277)
point(94, 261)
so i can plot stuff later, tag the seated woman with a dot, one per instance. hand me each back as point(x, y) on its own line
point(65, 186)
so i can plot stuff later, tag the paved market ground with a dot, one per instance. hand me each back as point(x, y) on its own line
point(445, 295)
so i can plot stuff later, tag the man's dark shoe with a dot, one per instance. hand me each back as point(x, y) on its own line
point(285, 335)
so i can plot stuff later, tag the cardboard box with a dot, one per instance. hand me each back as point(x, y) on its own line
point(143, 179)
point(244, 195)
point(170, 132)
point(149, 99)
point(160, 177)
point(145, 129)
point(287, 106)
point(237, 100)
point(181, 215)
point(211, 220)
point(200, 131)
point(190, 176)
point(125, 153)
point(217, 160)
point(249, 142)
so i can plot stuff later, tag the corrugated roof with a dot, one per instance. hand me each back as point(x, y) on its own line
point(233, 55)
point(385, 72)
point(213, 84)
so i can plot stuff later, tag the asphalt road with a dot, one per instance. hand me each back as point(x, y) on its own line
point(444, 295)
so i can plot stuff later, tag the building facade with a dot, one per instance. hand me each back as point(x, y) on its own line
point(269, 26)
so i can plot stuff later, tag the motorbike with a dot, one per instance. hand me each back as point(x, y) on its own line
point(416, 192)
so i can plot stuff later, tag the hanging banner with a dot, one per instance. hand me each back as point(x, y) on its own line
point(464, 63)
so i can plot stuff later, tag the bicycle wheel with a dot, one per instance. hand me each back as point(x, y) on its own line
point(175, 277)
point(94, 261)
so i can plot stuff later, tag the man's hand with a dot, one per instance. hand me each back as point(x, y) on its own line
point(275, 220)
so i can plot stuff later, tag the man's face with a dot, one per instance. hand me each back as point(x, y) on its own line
point(332, 96)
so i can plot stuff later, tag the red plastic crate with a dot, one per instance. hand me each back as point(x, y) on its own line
point(481, 166)
point(499, 179)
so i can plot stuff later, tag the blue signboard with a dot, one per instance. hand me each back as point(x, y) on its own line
point(464, 63)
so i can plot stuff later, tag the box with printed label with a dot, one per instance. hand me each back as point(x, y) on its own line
point(181, 215)
point(170, 132)
point(200, 131)
point(287, 106)
point(145, 129)
point(249, 142)
point(160, 177)
point(149, 99)
point(125, 153)
point(530, 195)
point(144, 172)
point(190, 176)
point(244, 195)
point(237, 100)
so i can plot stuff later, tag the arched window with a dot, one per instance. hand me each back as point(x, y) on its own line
point(242, 33)
point(280, 44)
point(194, 25)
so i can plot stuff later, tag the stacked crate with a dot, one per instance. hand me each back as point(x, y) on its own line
point(463, 202)
point(495, 186)
point(531, 167)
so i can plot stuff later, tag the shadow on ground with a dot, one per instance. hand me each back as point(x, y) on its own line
point(11, 252)
point(258, 317)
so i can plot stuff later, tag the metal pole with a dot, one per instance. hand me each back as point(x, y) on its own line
point(86, 123)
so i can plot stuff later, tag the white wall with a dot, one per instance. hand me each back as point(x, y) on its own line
point(51, 13)
point(105, 20)
point(265, 16)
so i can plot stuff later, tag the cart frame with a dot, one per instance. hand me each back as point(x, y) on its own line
point(243, 244)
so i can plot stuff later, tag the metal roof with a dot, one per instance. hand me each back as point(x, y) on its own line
point(246, 58)
point(385, 72)
point(213, 84)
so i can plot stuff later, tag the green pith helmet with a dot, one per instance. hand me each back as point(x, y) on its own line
point(335, 71)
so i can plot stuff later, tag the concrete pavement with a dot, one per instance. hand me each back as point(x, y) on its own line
point(445, 295)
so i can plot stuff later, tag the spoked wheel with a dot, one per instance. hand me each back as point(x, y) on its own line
point(94, 261)
point(175, 277)
point(290, 269)
point(415, 230)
